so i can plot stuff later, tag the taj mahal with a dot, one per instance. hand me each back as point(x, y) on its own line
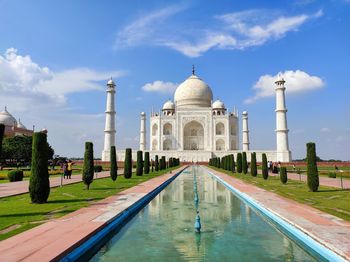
point(193, 127)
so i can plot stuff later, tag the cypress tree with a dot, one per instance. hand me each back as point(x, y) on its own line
point(139, 164)
point(239, 163)
point(244, 163)
point(283, 175)
point(312, 171)
point(152, 166)
point(88, 167)
point(233, 164)
point(219, 164)
point(265, 171)
point(146, 167)
point(39, 184)
point(163, 162)
point(222, 163)
point(253, 168)
point(170, 162)
point(156, 164)
point(128, 163)
point(2, 131)
point(114, 164)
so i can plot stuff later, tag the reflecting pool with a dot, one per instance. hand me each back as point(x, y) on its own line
point(231, 230)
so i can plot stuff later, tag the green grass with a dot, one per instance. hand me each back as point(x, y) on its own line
point(328, 199)
point(18, 210)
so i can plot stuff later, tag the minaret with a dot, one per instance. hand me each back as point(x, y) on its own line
point(143, 132)
point(110, 121)
point(283, 153)
point(245, 135)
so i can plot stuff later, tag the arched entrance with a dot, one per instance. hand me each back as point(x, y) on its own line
point(193, 138)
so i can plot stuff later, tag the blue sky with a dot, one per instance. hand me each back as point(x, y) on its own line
point(55, 57)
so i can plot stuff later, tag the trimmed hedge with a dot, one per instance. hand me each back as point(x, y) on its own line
point(239, 163)
point(88, 167)
point(15, 175)
point(146, 163)
point(244, 163)
point(98, 169)
point(265, 171)
point(312, 171)
point(114, 164)
point(156, 163)
point(128, 163)
point(139, 164)
point(2, 131)
point(253, 168)
point(283, 175)
point(39, 184)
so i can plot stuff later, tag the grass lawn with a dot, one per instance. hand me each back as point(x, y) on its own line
point(328, 199)
point(17, 212)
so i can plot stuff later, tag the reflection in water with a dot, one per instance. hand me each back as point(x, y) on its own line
point(231, 230)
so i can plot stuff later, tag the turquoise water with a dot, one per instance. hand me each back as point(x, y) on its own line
point(231, 230)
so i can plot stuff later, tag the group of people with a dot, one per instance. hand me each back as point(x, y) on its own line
point(274, 167)
point(67, 168)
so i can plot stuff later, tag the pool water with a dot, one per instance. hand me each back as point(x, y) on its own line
point(231, 230)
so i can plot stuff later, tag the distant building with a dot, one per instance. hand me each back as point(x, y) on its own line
point(14, 127)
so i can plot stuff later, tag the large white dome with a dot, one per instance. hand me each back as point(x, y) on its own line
point(193, 92)
point(7, 119)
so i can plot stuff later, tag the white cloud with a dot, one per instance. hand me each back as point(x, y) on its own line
point(238, 30)
point(38, 96)
point(160, 87)
point(325, 130)
point(296, 82)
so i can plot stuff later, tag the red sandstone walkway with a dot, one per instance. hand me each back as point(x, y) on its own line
point(51, 240)
point(324, 181)
point(328, 230)
point(21, 187)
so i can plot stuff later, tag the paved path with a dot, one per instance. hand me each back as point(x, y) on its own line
point(57, 237)
point(324, 181)
point(328, 230)
point(21, 187)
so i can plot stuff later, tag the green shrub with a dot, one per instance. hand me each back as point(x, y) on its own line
point(98, 168)
point(15, 175)
point(244, 163)
point(146, 164)
point(163, 162)
point(312, 171)
point(139, 163)
point(39, 184)
point(283, 175)
point(265, 171)
point(233, 163)
point(128, 163)
point(332, 175)
point(253, 168)
point(239, 163)
point(156, 164)
point(114, 164)
point(88, 166)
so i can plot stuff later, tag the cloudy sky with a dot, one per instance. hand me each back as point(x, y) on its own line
point(56, 56)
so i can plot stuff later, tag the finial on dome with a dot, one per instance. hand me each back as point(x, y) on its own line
point(5, 108)
point(193, 70)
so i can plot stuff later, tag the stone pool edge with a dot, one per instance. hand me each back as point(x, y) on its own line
point(293, 230)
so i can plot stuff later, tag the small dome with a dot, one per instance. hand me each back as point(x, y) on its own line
point(110, 82)
point(218, 105)
point(143, 113)
point(169, 105)
point(245, 113)
point(7, 119)
point(279, 78)
point(193, 92)
point(20, 125)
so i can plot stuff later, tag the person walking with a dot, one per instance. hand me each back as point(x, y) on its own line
point(70, 168)
point(64, 169)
